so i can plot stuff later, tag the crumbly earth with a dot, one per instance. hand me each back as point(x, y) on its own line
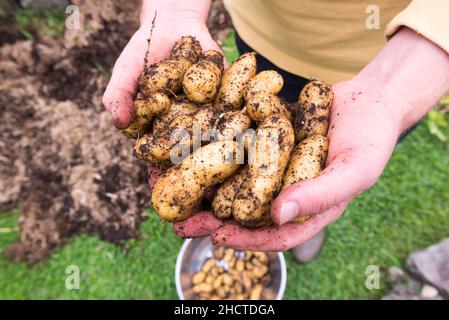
point(62, 162)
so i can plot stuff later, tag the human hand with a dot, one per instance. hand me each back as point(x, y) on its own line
point(368, 115)
point(174, 19)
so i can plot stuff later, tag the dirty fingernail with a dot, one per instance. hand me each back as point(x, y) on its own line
point(289, 211)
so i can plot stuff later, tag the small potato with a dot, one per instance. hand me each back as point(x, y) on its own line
point(198, 277)
point(234, 81)
point(227, 279)
point(268, 81)
point(229, 254)
point(178, 192)
point(218, 282)
point(145, 111)
point(221, 292)
point(203, 287)
point(208, 265)
point(219, 253)
point(246, 281)
point(261, 256)
point(178, 107)
point(306, 162)
point(315, 102)
point(256, 292)
point(168, 74)
point(260, 271)
point(240, 265)
point(267, 163)
point(262, 104)
point(248, 255)
point(202, 80)
point(222, 203)
point(231, 124)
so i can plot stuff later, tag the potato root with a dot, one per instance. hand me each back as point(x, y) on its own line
point(315, 101)
point(168, 74)
point(306, 162)
point(145, 111)
point(178, 192)
point(231, 124)
point(202, 80)
point(234, 82)
point(263, 104)
point(268, 81)
point(266, 167)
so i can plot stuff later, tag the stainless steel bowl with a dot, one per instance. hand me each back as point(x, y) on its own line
point(194, 252)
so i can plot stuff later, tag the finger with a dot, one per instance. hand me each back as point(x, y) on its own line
point(199, 225)
point(275, 238)
point(122, 88)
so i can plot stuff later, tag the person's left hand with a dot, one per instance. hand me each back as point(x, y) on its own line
point(364, 128)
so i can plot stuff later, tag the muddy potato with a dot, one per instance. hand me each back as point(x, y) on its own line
point(168, 74)
point(180, 106)
point(222, 203)
point(315, 102)
point(145, 111)
point(268, 81)
point(306, 162)
point(262, 104)
point(184, 131)
point(234, 81)
point(231, 124)
point(178, 192)
point(202, 80)
point(267, 163)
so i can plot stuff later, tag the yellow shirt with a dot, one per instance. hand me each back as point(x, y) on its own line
point(332, 40)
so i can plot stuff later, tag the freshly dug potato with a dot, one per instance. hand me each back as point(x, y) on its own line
point(315, 102)
point(145, 111)
point(234, 81)
point(202, 80)
point(231, 124)
point(177, 107)
point(268, 81)
point(178, 192)
point(222, 203)
point(263, 104)
point(266, 167)
point(306, 162)
point(185, 129)
point(168, 74)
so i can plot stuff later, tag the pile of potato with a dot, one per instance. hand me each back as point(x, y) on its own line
point(233, 275)
point(187, 96)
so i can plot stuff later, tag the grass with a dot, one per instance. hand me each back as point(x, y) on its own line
point(408, 209)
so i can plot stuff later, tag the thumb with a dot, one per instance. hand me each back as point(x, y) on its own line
point(348, 174)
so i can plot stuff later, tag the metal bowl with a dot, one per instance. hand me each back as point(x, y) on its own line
point(194, 252)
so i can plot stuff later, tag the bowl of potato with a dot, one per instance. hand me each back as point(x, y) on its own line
point(207, 272)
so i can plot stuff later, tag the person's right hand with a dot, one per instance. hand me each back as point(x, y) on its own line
point(174, 19)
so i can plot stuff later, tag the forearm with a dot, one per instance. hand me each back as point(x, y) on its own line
point(413, 69)
point(174, 10)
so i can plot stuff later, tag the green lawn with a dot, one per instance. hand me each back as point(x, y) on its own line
point(406, 210)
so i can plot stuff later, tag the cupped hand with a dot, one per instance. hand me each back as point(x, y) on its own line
point(123, 85)
point(364, 128)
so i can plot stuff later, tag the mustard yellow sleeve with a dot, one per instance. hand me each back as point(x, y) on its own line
point(429, 18)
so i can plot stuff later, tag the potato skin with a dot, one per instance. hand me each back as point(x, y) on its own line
point(168, 74)
point(222, 203)
point(231, 124)
point(234, 82)
point(202, 80)
point(262, 104)
point(268, 81)
point(178, 192)
point(306, 162)
point(145, 111)
point(252, 203)
point(158, 148)
point(178, 106)
point(315, 102)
